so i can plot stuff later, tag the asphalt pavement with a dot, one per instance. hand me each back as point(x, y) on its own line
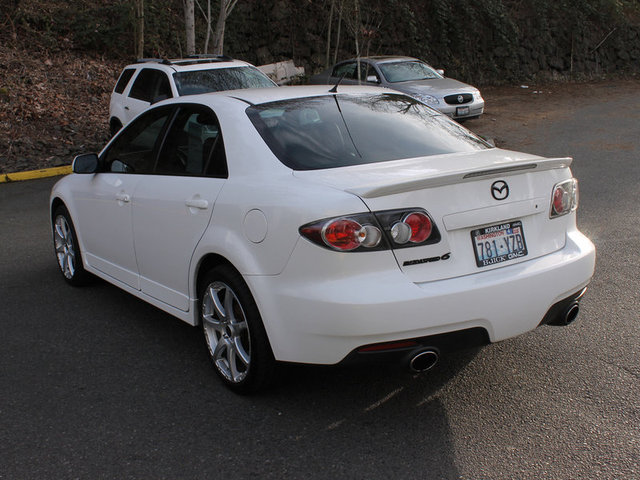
point(97, 384)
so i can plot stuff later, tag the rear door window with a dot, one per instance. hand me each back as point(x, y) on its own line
point(151, 85)
point(124, 80)
point(193, 145)
point(346, 69)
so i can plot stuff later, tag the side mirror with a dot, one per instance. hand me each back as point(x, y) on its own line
point(440, 71)
point(373, 79)
point(490, 141)
point(87, 163)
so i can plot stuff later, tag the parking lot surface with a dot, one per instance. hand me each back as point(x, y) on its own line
point(97, 384)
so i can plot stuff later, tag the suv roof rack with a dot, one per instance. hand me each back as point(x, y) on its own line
point(188, 60)
point(154, 60)
point(222, 58)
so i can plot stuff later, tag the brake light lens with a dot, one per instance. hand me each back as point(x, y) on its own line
point(346, 234)
point(377, 231)
point(420, 225)
point(564, 198)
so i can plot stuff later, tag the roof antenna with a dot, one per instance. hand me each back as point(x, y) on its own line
point(335, 87)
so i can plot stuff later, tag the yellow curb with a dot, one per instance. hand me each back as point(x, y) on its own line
point(45, 172)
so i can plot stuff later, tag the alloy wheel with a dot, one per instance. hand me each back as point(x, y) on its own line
point(226, 331)
point(65, 250)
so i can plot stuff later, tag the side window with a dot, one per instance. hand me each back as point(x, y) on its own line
point(163, 88)
point(133, 150)
point(124, 80)
point(368, 73)
point(346, 68)
point(149, 85)
point(193, 145)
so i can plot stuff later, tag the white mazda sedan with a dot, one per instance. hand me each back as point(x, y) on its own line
point(321, 226)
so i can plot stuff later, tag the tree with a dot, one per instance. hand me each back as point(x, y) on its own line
point(139, 28)
point(190, 25)
point(226, 6)
point(207, 17)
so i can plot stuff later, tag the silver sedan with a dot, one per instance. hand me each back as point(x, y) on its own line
point(411, 76)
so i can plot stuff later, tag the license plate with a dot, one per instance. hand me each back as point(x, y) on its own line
point(462, 111)
point(498, 243)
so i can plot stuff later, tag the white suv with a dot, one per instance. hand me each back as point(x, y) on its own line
point(150, 80)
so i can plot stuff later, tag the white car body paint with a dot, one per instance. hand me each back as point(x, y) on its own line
point(318, 305)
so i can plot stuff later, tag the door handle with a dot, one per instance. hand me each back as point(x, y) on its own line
point(123, 197)
point(126, 108)
point(197, 203)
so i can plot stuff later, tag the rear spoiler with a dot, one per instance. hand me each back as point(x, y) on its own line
point(429, 180)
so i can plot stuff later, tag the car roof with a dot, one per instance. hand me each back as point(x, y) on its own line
point(266, 95)
point(385, 59)
point(256, 96)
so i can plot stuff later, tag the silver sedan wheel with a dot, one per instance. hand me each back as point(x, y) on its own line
point(226, 331)
point(65, 250)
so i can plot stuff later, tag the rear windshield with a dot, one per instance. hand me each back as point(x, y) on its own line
point(218, 79)
point(340, 130)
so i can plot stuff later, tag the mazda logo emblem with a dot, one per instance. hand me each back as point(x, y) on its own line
point(499, 190)
point(460, 99)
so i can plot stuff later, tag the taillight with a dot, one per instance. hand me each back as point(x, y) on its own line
point(417, 230)
point(347, 234)
point(564, 198)
point(408, 228)
point(344, 234)
point(377, 231)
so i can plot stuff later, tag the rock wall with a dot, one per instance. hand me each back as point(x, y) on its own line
point(490, 41)
point(481, 41)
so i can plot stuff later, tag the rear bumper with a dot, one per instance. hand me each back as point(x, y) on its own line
point(313, 316)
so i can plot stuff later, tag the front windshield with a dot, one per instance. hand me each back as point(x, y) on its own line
point(407, 71)
point(339, 130)
point(217, 79)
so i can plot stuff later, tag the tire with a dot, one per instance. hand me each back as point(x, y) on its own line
point(233, 331)
point(67, 249)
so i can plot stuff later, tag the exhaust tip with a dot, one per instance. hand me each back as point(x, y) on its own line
point(571, 313)
point(423, 361)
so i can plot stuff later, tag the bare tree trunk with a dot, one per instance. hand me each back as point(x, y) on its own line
point(218, 44)
point(335, 52)
point(226, 6)
point(326, 63)
point(208, 18)
point(139, 10)
point(190, 26)
point(354, 23)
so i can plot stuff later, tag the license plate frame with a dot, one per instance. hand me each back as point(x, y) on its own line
point(461, 111)
point(498, 243)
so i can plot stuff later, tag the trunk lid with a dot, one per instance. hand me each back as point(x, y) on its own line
point(456, 191)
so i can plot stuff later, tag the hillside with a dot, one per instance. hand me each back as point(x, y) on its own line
point(59, 59)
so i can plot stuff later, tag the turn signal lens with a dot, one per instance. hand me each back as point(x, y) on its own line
point(400, 233)
point(564, 198)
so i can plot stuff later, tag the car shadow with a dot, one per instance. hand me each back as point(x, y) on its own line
point(316, 422)
point(358, 409)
